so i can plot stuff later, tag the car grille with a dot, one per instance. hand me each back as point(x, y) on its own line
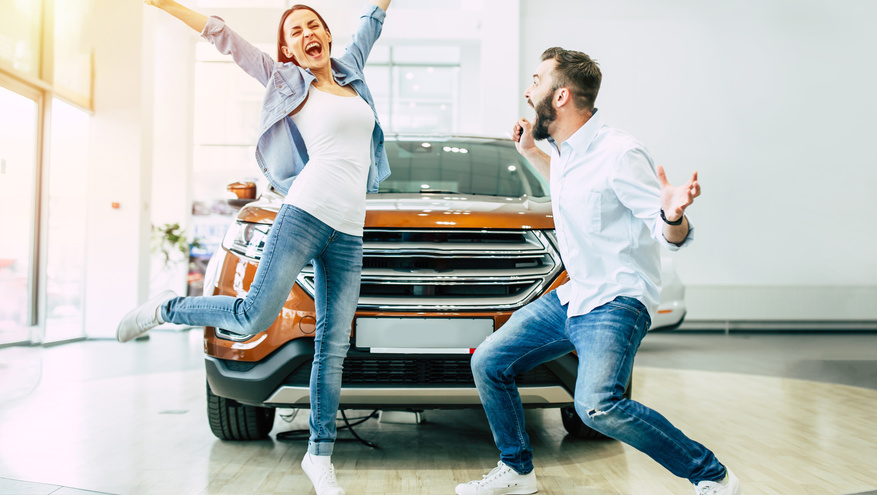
point(420, 372)
point(456, 270)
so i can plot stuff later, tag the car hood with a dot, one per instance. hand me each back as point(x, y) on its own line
point(430, 211)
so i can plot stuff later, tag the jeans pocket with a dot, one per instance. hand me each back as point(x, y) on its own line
point(632, 306)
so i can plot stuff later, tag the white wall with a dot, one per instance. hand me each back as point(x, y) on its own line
point(117, 252)
point(172, 80)
point(771, 102)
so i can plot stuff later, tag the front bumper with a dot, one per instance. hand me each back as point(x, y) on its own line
point(381, 381)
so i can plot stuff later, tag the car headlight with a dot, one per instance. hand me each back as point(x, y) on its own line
point(246, 239)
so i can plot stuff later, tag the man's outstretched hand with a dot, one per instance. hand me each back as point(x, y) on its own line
point(675, 199)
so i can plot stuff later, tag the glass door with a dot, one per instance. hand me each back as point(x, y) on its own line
point(66, 223)
point(18, 162)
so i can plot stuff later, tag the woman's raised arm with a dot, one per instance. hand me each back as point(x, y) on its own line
point(249, 58)
point(383, 4)
point(192, 19)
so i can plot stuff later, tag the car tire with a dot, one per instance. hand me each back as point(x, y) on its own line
point(231, 420)
point(577, 428)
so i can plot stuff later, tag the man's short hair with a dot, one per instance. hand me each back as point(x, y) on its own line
point(577, 72)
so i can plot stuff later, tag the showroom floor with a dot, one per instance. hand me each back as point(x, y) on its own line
point(789, 413)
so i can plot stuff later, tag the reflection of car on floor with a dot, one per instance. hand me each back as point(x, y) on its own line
point(459, 237)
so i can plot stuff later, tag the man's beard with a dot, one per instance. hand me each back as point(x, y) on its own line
point(545, 115)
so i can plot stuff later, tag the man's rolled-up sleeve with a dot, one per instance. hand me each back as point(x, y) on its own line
point(635, 182)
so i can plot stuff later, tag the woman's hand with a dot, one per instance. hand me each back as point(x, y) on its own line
point(192, 19)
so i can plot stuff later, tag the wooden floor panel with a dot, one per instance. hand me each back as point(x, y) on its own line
point(148, 434)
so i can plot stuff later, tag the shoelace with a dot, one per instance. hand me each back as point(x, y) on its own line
point(143, 321)
point(329, 476)
point(494, 473)
point(710, 489)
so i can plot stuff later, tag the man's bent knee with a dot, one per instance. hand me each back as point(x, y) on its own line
point(484, 364)
point(601, 415)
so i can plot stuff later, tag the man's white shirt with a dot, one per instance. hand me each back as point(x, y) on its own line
point(606, 204)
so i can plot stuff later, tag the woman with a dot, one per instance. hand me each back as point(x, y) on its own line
point(322, 146)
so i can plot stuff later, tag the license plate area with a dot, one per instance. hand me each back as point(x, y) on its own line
point(387, 335)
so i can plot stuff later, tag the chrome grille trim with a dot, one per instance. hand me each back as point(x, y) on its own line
point(437, 273)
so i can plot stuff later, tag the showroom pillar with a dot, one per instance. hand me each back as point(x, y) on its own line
point(119, 178)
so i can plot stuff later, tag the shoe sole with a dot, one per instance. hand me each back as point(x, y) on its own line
point(518, 491)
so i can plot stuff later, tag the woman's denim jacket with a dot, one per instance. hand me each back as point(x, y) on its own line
point(281, 152)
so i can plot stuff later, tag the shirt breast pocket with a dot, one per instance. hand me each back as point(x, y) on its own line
point(281, 85)
point(593, 211)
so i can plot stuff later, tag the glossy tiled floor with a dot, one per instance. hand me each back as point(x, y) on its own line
point(123, 419)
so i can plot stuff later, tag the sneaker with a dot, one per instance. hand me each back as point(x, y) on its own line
point(323, 477)
point(502, 480)
point(729, 485)
point(143, 318)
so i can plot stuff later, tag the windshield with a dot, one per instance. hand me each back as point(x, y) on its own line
point(465, 166)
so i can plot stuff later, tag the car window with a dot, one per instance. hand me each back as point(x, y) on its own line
point(483, 167)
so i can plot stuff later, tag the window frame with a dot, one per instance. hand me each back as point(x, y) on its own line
point(42, 90)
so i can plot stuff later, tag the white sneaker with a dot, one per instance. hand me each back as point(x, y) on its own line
point(143, 318)
point(323, 477)
point(502, 480)
point(729, 485)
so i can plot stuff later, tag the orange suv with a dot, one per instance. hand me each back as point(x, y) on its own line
point(458, 237)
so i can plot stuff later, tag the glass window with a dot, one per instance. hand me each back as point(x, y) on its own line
point(65, 265)
point(228, 103)
point(73, 63)
point(416, 88)
point(424, 99)
point(18, 144)
point(27, 178)
point(447, 55)
point(378, 79)
point(20, 35)
point(213, 4)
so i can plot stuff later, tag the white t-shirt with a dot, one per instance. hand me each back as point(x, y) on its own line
point(337, 132)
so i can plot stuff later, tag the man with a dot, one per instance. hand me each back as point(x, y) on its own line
point(611, 212)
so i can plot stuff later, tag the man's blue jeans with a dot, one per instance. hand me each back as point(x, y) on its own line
point(295, 238)
point(606, 340)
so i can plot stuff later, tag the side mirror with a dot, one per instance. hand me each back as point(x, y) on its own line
point(245, 192)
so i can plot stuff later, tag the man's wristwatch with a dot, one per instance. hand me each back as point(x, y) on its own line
point(668, 222)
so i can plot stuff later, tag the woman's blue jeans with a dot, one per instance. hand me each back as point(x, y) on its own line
point(606, 341)
point(295, 239)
